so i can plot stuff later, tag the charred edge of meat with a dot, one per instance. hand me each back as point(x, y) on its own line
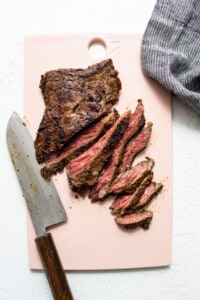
point(104, 67)
point(125, 184)
point(67, 154)
point(157, 187)
point(109, 172)
point(48, 172)
point(133, 220)
point(89, 173)
point(86, 72)
point(122, 204)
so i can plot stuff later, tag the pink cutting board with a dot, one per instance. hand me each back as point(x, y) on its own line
point(90, 239)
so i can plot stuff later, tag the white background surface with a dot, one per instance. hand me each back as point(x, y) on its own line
point(181, 279)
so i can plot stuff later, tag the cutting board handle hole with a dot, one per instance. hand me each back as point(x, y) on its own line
point(97, 48)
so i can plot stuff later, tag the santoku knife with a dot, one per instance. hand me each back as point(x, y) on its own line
point(43, 203)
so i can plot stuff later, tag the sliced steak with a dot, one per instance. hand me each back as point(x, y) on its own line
point(110, 170)
point(84, 170)
point(128, 181)
point(74, 98)
point(123, 203)
point(81, 142)
point(152, 190)
point(136, 145)
point(133, 220)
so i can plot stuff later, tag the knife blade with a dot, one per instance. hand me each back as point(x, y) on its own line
point(43, 202)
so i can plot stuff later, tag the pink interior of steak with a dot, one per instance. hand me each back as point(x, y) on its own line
point(84, 138)
point(134, 147)
point(134, 218)
point(78, 163)
point(149, 192)
point(120, 202)
point(102, 181)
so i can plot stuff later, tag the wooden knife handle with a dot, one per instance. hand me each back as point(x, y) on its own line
point(53, 267)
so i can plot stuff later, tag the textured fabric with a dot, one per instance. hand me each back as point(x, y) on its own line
point(171, 48)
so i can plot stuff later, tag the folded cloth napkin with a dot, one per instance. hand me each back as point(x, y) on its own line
point(170, 50)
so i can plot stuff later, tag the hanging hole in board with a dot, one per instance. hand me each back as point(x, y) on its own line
point(97, 48)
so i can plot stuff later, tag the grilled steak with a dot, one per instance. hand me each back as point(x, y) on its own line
point(81, 142)
point(150, 191)
point(123, 203)
point(133, 220)
point(136, 145)
point(74, 98)
point(84, 170)
point(110, 170)
point(128, 181)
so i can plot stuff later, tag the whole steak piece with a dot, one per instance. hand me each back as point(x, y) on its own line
point(74, 98)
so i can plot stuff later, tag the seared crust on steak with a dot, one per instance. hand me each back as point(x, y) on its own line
point(133, 220)
point(74, 98)
point(81, 142)
point(84, 170)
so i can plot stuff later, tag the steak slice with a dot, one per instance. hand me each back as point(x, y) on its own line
point(84, 170)
point(74, 98)
point(152, 190)
point(81, 142)
point(128, 181)
point(110, 170)
point(123, 203)
point(136, 145)
point(133, 220)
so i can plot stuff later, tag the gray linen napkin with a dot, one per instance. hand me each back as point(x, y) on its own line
point(170, 50)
